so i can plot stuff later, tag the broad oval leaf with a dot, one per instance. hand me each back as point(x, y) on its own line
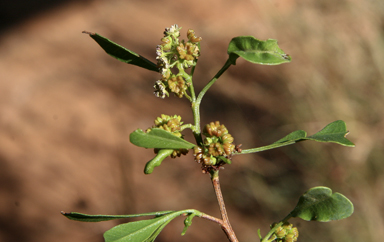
point(156, 161)
point(334, 132)
point(256, 51)
point(319, 204)
point(121, 53)
point(158, 138)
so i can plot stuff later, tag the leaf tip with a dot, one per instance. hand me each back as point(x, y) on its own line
point(87, 32)
point(287, 57)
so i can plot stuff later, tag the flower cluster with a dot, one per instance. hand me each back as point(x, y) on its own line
point(217, 143)
point(286, 233)
point(171, 124)
point(174, 53)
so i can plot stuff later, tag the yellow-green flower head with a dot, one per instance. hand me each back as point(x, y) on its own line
point(177, 85)
point(171, 124)
point(188, 54)
point(215, 129)
point(286, 233)
point(188, 51)
point(216, 144)
point(203, 159)
point(172, 54)
point(166, 43)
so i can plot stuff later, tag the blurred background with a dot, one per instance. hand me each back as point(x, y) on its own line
point(67, 108)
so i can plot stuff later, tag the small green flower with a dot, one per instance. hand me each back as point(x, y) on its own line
point(177, 85)
point(285, 233)
point(217, 143)
point(166, 43)
point(215, 129)
point(204, 159)
point(174, 53)
point(171, 124)
point(188, 51)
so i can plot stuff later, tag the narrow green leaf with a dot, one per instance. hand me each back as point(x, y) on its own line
point(121, 53)
point(334, 132)
point(256, 51)
point(99, 217)
point(144, 230)
point(158, 138)
point(156, 161)
point(319, 204)
point(259, 234)
point(225, 160)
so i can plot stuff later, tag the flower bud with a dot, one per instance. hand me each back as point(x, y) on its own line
point(177, 85)
point(191, 36)
point(166, 43)
point(280, 232)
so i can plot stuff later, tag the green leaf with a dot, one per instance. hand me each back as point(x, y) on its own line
point(293, 137)
point(256, 51)
point(156, 161)
point(187, 223)
point(144, 230)
point(225, 160)
point(319, 204)
point(121, 53)
point(158, 138)
point(99, 217)
point(137, 231)
point(334, 132)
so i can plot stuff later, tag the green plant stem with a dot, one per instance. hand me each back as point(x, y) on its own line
point(191, 87)
point(266, 238)
point(226, 226)
point(192, 91)
point(263, 148)
point(196, 118)
point(196, 102)
point(187, 126)
point(213, 80)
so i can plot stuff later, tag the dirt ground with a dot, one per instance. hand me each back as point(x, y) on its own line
point(67, 109)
